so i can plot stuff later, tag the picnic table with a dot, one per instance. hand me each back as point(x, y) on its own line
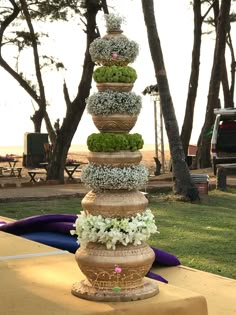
point(12, 169)
point(34, 172)
point(70, 169)
point(223, 170)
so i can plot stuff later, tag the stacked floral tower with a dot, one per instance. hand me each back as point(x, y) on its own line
point(115, 221)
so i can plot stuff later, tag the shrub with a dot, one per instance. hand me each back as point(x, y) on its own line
point(118, 51)
point(102, 177)
point(110, 142)
point(123, 74)
point(112, 102)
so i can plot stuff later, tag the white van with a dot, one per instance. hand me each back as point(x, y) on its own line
point(223, 141)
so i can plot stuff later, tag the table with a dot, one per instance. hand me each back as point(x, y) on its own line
point(219, 291)
point(44, 165)
point(33, 173)
point(36, 277)
point(70, 169)
point(12, 168)
point(12, 163)
point(223, 170)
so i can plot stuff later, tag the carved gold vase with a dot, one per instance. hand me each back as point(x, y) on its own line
point(115, 275)
point(121, 87)
point(114, 203)
point(116, 123)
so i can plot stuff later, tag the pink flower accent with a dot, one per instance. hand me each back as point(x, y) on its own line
point(115, 55)
point(118, 269)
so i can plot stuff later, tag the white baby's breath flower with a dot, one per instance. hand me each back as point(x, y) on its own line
point(102, 50)
point(101, 177)
point(113, 21)
point(113, 102)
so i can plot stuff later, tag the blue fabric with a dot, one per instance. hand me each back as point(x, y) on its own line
point(58, 240)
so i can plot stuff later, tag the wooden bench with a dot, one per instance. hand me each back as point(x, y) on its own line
point(33, 173)
point(222, 170)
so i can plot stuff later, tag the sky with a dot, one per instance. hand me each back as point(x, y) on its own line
point(175, 27)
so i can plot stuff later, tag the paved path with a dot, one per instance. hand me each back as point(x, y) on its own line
point(78, 189)
point(59, 191)
point(42, 191)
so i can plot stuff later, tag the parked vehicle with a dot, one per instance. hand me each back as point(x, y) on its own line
point(223, 141)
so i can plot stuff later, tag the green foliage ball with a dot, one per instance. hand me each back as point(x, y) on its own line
point(124, 74)
point(110, 142)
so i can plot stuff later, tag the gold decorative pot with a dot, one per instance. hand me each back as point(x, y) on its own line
point(116, 123)
point(114, 34)
point(120, 158)
point(115, 86)
point(114, 203)
point(114, 275)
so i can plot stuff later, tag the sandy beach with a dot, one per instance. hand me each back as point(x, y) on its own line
point(79, 153)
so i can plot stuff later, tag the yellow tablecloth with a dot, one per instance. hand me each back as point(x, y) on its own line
point(11, 245)
point(41, 285)
point(220, 292)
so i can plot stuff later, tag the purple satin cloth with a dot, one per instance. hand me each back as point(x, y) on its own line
point(41, 223)
point(155, 276)
point(164, 258)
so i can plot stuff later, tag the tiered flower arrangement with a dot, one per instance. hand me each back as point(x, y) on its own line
point(115, 221)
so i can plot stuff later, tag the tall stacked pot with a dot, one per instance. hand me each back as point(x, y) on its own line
point(115, 272)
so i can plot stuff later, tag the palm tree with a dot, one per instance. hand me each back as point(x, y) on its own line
point(183, 183)
point(203, 154)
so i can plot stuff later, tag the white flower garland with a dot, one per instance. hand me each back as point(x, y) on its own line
point(101, 177)
point(112, 102)
point(110, 231)
point(102, 49)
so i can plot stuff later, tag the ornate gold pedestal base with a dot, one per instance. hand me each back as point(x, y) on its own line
point(84, 290)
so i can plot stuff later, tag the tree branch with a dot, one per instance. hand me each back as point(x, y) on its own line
point(104, 7)
point(9, 19)
point(42, 104)
point(208, 10)
point(66, 95)
point(42, 100)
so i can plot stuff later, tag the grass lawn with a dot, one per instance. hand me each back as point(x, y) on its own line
point(202, 235)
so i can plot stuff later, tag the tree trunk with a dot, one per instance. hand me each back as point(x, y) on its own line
point(233, 68)
point(228, 101)
point(194, 76)
point(37, 119)
point(225, 85)
point(183, 183)
point(76, 108)
point(203, 154)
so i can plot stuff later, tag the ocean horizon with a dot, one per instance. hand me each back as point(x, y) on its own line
point(75, 148)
